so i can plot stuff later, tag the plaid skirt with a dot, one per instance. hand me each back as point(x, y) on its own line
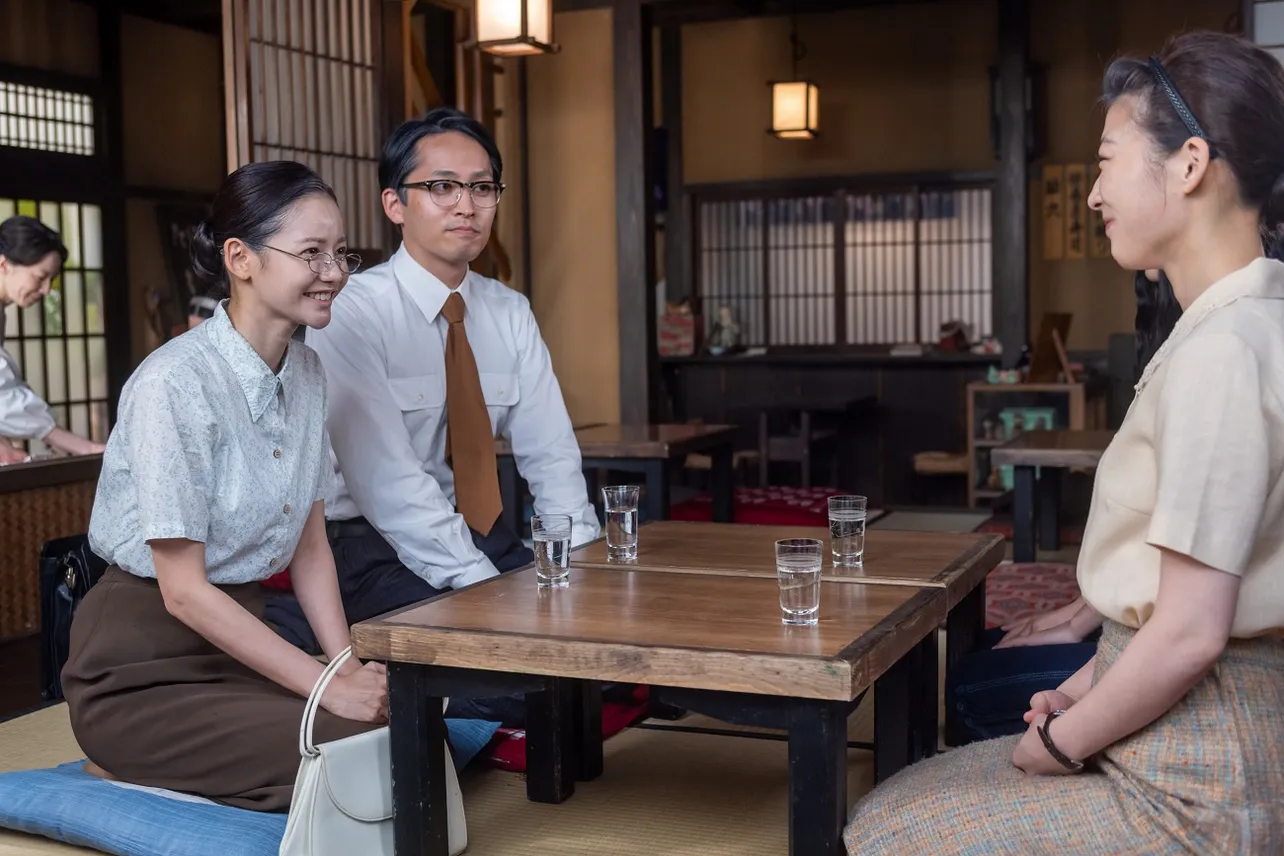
point(1205, 778)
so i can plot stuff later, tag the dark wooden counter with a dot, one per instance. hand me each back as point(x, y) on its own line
point(39, 501)
point(906, 405)
point(50, 472)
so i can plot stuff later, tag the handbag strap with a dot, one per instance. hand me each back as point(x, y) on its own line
point(306, 746)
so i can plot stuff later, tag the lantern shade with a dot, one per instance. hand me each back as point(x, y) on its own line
point(515, 27)
point(795, 107)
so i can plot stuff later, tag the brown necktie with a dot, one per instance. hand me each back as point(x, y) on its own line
point(470, 440)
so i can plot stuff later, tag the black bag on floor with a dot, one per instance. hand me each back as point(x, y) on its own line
point(68, 568)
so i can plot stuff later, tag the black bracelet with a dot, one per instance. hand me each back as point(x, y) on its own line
point(1057, 754)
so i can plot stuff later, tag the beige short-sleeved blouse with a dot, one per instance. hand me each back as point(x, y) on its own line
point(1195, 468)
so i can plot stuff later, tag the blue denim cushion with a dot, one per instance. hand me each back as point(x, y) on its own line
point(67, 804)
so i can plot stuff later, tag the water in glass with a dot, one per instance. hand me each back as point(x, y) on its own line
point(847, 530)
point(798, 564)
point(552, 543)
point(847, 533)
point(622, 533)
point(621, 505)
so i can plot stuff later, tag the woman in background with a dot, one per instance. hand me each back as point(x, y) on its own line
point(31, 256)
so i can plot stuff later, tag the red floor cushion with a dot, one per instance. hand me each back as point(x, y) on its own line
point(507, 750)
point(765, 506)
point(1071, 533)
point(279, 582)
point(1016, 590)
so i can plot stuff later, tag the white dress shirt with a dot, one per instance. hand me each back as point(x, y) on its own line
point(23, 414)
point(384, 353)
point(213, 446)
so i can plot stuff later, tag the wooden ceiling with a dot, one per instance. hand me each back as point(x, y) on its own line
point(205, 16)
point(695, 11)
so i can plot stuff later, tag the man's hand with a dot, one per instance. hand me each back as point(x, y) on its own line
point(10, 454)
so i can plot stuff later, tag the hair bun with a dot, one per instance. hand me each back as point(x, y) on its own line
point(206, 255)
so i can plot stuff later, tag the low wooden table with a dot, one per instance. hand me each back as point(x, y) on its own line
point(720, 636)
point(1050, 452)
point(955, 562)
point(644, 449)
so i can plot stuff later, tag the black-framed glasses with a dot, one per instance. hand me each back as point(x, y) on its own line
point(447, 192)
point(322, 262)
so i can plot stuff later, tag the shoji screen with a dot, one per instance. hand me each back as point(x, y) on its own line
point(302, 84)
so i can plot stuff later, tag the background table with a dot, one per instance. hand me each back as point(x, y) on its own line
point(647, 450)
point(1050, 452)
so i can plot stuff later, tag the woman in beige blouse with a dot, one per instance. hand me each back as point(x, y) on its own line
point(1170, 740)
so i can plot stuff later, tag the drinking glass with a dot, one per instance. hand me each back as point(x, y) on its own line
point(621, 505)
point(552, 536)
point(847, 530)
point(798, 563)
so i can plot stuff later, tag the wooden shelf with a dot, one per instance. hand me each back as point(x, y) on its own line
point(1072, 397)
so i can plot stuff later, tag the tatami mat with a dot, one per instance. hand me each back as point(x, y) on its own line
point(662, 792)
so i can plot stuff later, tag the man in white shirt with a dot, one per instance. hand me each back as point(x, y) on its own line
point(415, 509)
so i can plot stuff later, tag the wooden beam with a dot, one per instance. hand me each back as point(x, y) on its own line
point(1011, 190)
point(677, 231)
point(634, 210)
point(695, 11)
point(1248, 19)
point(117, 317)
point(523, 154)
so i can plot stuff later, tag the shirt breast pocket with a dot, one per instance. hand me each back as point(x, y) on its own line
point(426, 392)
point(500, 389)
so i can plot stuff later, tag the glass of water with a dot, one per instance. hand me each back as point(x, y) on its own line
point(621, 505)
point(552, 536)
point(847, 530)
point(798, 562)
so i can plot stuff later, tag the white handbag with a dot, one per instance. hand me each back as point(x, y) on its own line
point(342, 801)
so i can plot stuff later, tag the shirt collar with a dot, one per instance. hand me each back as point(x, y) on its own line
point(1262, 278)
point(428, 292)
point(258, 382)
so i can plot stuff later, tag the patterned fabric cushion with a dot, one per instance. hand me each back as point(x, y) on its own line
point(1071, 533)
point(1015, 591)
point(67, 804)
point(766, 506)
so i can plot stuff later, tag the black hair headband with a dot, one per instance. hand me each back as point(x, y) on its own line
point(1179, 104)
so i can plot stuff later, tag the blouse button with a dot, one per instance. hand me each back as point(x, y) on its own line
point(287, 508)
point(276, 453)
point(272, 563)
point(419, 397)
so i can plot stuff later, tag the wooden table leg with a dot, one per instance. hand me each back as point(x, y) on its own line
point(1023, 515)
point(551, 763)
point(588, 729)
point(929, 702)
point(817, 777)
point(417, 743)
point(964, 626)
point(656, 472)
point(1050, 508)
point(896, 724)
point(722, 483)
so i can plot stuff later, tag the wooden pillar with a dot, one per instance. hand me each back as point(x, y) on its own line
point(634, 210)
point(1011, 190)
point(117, 313)
point(677, 230)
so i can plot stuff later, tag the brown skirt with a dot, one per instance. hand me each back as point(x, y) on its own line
point(153, 703)
point(1205, 778)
